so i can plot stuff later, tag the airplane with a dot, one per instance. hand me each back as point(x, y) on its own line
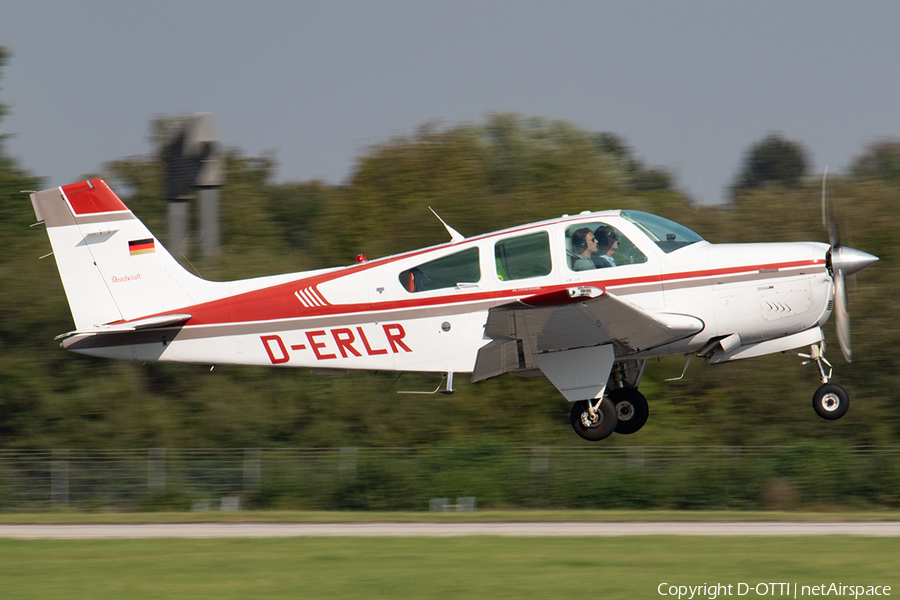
point(584, 300)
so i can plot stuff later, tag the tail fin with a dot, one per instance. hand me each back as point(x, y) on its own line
point(111, 266)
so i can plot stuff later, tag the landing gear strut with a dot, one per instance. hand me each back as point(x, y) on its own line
point(830, 401)
point(594, 422)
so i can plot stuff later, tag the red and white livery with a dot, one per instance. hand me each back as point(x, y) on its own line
point(537, 299)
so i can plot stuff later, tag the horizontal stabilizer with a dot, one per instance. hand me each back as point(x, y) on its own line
point(156, 322)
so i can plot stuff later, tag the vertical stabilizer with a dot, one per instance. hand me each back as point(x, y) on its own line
point(111, 266)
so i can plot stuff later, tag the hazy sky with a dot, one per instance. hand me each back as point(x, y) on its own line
point(689, 84)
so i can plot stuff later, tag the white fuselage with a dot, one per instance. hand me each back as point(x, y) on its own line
point(370, 316)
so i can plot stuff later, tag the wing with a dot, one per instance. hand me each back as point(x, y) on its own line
point(578, 317)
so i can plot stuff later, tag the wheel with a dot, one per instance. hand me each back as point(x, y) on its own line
point(604, 426)
point(631, 409)
point(831, 401)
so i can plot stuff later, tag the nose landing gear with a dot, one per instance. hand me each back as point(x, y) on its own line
point(830, 401)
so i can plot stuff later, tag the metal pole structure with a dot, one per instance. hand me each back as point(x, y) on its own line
point(204, 143)
point(156, 469)
point(59, 478)
point(178, 219)
point(210, 228)
point(193, 167)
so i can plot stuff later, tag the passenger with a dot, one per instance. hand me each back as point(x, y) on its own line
point(584, 246)
point(608, 242)
point(414, 280)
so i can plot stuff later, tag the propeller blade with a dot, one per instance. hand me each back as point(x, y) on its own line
point(845, 262)
point(829, 217)
point(841, 316)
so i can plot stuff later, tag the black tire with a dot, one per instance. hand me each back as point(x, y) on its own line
point(631, 409)
point(594, 432)
point(831, 401)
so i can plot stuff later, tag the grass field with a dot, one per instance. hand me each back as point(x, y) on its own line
point(471, 567)
point(459, 567)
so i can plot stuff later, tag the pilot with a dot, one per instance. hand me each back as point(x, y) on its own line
point(608, 242)
point(584, 246)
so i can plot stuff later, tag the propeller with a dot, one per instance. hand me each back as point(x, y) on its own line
point(843, 262)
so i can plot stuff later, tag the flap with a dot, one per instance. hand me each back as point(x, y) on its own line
point(496, 358)
point(582, 317)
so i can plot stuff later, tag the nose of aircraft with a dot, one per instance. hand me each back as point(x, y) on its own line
point(850, 261)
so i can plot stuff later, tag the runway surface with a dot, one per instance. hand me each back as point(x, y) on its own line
point(570, 529)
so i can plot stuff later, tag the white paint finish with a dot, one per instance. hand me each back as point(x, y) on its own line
point(782, 344)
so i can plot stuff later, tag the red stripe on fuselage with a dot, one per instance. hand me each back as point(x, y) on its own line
point(767, 269)
point(280, 302)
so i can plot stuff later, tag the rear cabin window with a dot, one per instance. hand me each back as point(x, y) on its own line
point(441, 273)
point(523, 257)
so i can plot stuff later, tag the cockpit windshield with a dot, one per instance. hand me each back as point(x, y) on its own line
point(668, 235)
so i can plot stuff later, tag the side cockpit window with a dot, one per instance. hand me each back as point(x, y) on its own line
point(446, 272)
point(597, 245)
point(523, 257)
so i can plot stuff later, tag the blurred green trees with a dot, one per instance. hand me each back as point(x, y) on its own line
point(881, 161)
point(773, 160)
point(26, 310)
point(479, 177)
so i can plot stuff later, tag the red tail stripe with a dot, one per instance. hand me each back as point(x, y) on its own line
point(91, 197)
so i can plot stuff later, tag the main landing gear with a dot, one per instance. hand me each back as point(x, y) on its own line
point(631, 408)
point(830, 401)
point(624, 411)
point(594, 421)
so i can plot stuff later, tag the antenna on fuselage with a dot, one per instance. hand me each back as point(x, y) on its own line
point(455, 236)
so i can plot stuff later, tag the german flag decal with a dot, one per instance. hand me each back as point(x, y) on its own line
point(141, 246)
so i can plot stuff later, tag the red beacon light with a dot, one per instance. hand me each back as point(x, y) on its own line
point(361, 258)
